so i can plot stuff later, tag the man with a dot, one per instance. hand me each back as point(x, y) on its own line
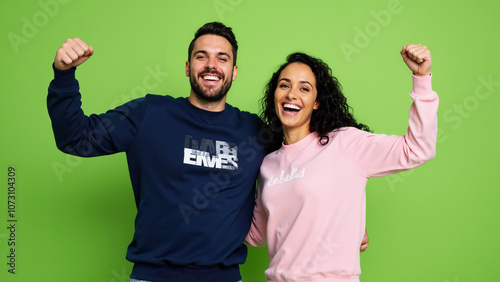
point(192, 161)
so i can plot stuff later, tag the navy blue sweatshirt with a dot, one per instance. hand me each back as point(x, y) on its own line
point(193, 175)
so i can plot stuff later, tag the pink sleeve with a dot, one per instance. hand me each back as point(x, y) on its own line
point(380, 155)
point(257, 235)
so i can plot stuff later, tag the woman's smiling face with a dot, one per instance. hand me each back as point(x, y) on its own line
point(295, 98)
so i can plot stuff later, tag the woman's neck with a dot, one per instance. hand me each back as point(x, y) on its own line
point(294, 135)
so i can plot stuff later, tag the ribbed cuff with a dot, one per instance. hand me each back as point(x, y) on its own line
point(64, 79)
point(422, 85)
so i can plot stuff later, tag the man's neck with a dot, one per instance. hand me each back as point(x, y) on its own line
point(217, 106)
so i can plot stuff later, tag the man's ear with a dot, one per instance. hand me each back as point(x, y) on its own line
point(235, 72)
point(187, 68)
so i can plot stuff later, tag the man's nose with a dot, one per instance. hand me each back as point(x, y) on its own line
point(211, 63)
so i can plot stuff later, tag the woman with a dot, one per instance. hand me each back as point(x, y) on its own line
point(310, 206)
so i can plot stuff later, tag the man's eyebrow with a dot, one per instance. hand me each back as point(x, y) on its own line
point(200, 51)
point(206, 53)
point(224, 54)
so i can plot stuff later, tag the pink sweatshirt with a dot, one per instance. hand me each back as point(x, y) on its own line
point(310, 206)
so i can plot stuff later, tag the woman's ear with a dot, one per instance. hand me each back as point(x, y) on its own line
point(316, 105)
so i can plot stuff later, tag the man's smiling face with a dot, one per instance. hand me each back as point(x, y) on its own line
point(211, 69)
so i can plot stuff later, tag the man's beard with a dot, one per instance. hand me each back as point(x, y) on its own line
point(203, 95)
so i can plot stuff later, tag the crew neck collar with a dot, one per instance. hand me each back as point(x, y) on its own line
point(208, 115)
point(301, 144)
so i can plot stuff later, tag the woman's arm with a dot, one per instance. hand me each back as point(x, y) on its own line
point(257, 235)
point(379, 154)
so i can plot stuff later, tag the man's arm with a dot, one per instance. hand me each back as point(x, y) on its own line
point(76, 133)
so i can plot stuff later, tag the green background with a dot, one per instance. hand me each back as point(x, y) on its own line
point(439, 222)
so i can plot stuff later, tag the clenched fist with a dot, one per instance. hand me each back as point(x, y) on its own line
point(417, 58)
point(72, 53)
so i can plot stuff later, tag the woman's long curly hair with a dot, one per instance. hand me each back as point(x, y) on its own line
point(332, 114)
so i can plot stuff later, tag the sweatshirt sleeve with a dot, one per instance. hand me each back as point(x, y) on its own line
point(87, 136)
point(257, 235)
point(380, 155)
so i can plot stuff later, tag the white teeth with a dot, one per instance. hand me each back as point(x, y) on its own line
point(290, 106)
point(211, 77)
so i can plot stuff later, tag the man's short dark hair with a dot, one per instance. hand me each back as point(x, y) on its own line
point(215, 28)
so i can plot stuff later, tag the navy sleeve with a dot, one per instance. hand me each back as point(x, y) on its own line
point(95, 135)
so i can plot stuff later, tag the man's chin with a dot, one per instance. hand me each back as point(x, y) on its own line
point(209, 97)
